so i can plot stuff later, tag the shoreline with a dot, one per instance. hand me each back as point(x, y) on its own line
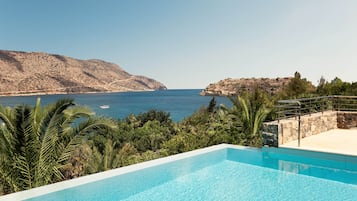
point(66, 93)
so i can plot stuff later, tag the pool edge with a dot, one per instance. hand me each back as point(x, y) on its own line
point(42, 190)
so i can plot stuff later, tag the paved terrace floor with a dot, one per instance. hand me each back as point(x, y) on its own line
point(342, 141)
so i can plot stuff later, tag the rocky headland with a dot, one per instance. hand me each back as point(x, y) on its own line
point(25, 73)
point(231, 87)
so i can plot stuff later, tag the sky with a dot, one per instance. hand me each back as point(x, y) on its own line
point(188, 44)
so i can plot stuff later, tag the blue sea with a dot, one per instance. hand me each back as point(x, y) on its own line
point(179, 103)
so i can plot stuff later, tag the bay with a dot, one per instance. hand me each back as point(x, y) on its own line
point(179, 103)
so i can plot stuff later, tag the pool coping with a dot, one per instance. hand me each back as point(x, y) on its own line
point(326, 155)
point(42, 190)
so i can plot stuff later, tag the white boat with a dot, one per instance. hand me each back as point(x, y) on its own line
point(104, 106)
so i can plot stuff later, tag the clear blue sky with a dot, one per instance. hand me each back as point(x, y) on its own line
point(191, 43)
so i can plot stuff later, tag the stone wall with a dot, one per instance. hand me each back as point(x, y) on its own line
point(346, 120)
point(276, 133)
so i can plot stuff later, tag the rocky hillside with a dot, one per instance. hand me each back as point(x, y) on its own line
point(34, 72)
point(229, 86)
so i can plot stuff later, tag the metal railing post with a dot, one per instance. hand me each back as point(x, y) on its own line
point(299, 129)
point(338, 104)
point(299, 123)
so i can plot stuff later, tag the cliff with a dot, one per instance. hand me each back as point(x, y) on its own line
point(229, 86)
point(35, 72)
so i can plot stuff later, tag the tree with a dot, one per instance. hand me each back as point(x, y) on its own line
point(297, 87)
point(212, 105)
point(337, 87)
point(150, 136)
point(251, 118)
point(352, 90)
point(151, 115)
point(36, 142)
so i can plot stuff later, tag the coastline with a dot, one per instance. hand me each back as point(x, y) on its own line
point(59, 92)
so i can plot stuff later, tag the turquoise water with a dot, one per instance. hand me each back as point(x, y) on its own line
point(180, 103)
point(229, 180)
point(229, 174)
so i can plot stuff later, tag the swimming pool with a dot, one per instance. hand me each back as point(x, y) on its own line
point(222, 172)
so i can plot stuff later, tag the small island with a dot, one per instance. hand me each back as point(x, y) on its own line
point(231, 87)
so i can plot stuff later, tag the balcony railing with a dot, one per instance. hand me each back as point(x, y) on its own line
point(297, 107)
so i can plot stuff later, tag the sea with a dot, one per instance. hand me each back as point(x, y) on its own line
point(179, 103)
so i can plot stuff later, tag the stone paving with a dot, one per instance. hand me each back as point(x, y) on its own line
point(342, 141)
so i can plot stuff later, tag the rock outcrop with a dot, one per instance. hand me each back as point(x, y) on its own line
point(35, 72)
point(230, 87)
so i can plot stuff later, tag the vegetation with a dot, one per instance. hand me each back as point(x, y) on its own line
point(42, 145)
point(298, 87)
point(36, 142)
point(336, 87)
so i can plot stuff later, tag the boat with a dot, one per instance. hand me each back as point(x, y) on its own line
point(104, 106)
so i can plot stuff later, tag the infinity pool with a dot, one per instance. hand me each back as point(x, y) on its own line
point(222, 172)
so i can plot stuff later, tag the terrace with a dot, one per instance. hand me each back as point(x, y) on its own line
point(327, 123)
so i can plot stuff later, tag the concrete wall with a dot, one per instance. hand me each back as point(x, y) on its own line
point(276, 133)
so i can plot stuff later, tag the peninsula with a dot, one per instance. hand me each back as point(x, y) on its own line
point(26, 73)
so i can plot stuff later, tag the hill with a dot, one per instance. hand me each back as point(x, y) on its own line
point(36, 72)
point(230, 87)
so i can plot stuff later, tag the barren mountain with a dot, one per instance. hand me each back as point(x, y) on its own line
point(229, 86)
point(35, 72)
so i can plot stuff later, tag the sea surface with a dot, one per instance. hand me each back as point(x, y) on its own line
point(179, 103)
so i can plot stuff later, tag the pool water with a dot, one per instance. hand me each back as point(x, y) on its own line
point(228, 172)
point(229, 180)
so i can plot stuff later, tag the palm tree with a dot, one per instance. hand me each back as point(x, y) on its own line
point(251, 117)
point(36, 142)
point(112, 157)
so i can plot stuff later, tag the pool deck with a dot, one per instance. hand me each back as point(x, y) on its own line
point(341, 141)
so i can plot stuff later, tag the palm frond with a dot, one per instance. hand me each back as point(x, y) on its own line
point(259, 118)
point(53, 114)
point(37, 114)
point(36, 142)
point(57, 174)
point(6, 141)
point(108, 155)
point(245, 106)
point(9, 179)
point(23, 166)
point(6, 116)
point(77, 112)
point(96, 162)
point(95, 124)
point(83, 129)
point(68, 149)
